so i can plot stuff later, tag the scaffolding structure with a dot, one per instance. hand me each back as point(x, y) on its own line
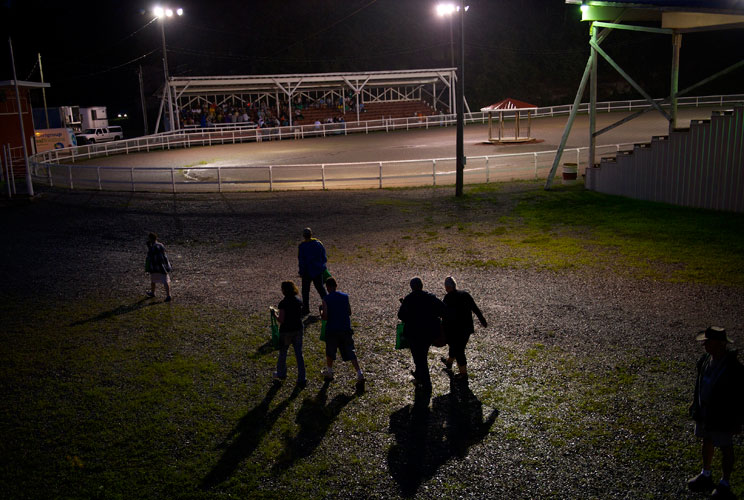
point(435, 86)
point(675, 18)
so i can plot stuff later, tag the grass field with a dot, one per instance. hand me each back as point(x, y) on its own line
point(109, 395)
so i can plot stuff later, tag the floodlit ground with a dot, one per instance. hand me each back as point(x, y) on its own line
point(579, 386)
point(436, 142)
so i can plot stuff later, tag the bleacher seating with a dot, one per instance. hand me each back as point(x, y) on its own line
point(372, 111)
point(699, 166)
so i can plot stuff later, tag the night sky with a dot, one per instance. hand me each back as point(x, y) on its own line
point(532, 50)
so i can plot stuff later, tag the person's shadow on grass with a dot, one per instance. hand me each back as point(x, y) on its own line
point(314, 418)
point(117, 311)
point(427, 438)
point(245, 437)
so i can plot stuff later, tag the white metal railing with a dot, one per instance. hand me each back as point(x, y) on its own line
point(374, 174)
point(243, 132)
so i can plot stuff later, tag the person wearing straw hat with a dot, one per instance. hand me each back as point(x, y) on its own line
point(717, 408)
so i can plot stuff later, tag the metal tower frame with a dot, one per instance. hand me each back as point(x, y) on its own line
point(677, 18)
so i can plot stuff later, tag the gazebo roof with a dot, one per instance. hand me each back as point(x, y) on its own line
point(509, 104)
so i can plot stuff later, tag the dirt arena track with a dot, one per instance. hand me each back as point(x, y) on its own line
point(196, 167)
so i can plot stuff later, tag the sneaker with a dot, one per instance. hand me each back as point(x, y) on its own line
point(461, 376)
point(327, 375)
point(150, 294)
point(723, 491)
point(701, 484)
point(168, 298)
point(447, 362)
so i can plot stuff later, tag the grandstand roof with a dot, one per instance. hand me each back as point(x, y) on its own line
point(508, 104)
point(711, 6)
point(674, 14)
point(191, 85)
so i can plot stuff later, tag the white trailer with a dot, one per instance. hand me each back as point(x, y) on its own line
point(93, 117)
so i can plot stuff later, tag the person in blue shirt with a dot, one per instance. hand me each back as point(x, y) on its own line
point(311, 256)
point(338, 333)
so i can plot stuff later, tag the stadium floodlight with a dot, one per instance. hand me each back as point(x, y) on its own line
point(162, 13)
point(446, 9)
point(449, 9)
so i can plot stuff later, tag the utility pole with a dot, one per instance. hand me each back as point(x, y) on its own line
point(29, 182)
point(167, 83)
point(460, 150)
point(43, 92)
point(142, 98)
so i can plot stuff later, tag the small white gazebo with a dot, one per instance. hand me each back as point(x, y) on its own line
point(512, 107)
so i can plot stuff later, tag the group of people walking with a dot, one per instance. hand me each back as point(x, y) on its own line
point(430, 321)
point(718, 402)
point(335, 311)
point(426, 319)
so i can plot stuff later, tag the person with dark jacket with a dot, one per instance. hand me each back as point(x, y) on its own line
point(158, 265)
point(290, 333)
point(458, 324)
point(717, 408)
point(311, 256)
point(421, 311)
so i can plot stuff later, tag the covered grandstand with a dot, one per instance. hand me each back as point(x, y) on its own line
point(426, 91)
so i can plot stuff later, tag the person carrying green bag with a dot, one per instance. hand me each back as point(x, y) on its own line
point(336, 310)
point(290, 333)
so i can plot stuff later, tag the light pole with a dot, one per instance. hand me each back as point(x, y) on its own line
point(162, 13)
point(450, 9)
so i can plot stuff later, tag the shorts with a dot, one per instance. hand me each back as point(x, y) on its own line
point(341, 341)
point(718, 438)
point(159, 278)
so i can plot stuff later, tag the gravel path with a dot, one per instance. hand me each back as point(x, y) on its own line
point(233, 250)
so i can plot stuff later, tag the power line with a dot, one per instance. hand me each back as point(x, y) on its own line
point(113, 68)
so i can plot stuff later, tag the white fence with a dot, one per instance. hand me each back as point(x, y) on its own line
point(49, 167)
point(379, 174)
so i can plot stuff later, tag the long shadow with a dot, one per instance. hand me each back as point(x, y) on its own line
point(117, 311)
point(427, 438)
point(245, 437)
point(263, 350)
point(315, 418)
point(267, 348)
